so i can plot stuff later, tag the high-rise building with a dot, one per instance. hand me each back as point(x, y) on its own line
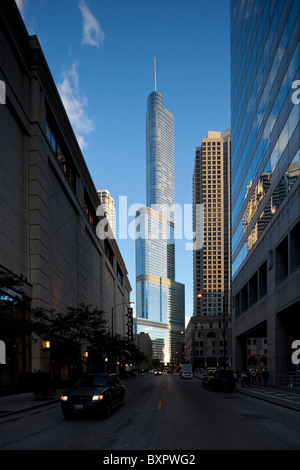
point(265, 133)
point(211, 188)
point(108, 206)
point(160, 309)
point(211, 262)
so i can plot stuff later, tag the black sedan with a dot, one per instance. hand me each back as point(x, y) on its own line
point(93, 394)
point(220, 379)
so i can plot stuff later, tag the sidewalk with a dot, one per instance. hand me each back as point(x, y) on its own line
point(282, 396)
point(12, 404)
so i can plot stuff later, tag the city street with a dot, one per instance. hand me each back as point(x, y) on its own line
point(161, 413)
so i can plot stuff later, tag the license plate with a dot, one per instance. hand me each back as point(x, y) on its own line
point(78, 407)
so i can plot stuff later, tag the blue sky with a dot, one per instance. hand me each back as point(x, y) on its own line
point(101, 53)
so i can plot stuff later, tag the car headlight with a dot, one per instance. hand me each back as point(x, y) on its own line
point(97, 397)
point(64, 398)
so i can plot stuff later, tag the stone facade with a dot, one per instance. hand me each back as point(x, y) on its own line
point(204, 341)
point(48, 200)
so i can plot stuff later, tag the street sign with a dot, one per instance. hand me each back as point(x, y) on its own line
point(130, 323)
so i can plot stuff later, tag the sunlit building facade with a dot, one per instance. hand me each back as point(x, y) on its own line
point(108, 204)
point(212, 262)
point(265, 58)
point(204, 336)
point(160, 305)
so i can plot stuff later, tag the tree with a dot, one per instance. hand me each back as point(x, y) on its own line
point(77, 326)
point(156, 363)
point(123, 351)
point(80, 325)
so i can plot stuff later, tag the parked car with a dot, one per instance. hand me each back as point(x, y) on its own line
point(151, 371)
point(93, 394)
point(219, 380)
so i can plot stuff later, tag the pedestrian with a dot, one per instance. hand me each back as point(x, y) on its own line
point(244, 379)
point(265, 377)
point(258, 378)
point(253, 377)
point(249, 378)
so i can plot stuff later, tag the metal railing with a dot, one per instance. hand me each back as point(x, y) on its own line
point(290, 380)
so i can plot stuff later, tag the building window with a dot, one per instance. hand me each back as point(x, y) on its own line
point(109, 252)
point(244, 298)
point(282, 260)
point(262, 280)
point(253, 289)
point(120, 275)
point(295, 248)
point(90, 212)
point(64, 160)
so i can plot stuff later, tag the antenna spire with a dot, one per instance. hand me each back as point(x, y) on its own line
point(154, 74)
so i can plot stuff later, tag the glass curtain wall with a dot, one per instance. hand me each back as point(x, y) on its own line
point(265, 58)
point(159, 299)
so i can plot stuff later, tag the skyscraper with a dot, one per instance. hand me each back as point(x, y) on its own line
point(211, 187)
point(160, 309)
point(211, 262)
point(265, 57)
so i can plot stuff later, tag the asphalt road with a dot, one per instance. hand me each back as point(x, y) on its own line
point(161, 413)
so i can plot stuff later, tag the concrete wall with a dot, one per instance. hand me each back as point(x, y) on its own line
point(272, 314)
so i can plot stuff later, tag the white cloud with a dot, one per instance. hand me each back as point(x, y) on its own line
point(21, 5)
point(75, 103)
point(92, 33)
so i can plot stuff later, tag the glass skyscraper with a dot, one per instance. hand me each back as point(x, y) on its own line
point(265, 133)
point(160, 304)
point(265, 62)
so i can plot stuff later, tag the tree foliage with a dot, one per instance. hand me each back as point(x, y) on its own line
point(83, 325)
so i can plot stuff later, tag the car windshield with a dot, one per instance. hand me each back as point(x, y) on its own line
point(93, 381)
